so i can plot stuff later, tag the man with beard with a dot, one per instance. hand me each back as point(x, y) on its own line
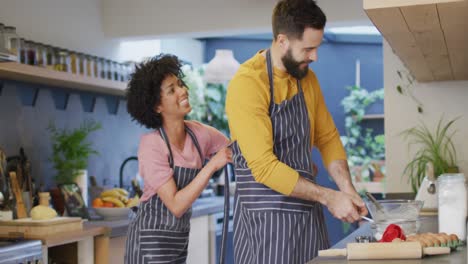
point(277, 114)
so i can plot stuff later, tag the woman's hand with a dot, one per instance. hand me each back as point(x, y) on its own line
point(220, 159)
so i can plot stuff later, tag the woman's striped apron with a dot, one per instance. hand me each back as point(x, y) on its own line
point(270, 227)
point(156, 235)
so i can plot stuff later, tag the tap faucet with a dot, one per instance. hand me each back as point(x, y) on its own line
point(122, 167)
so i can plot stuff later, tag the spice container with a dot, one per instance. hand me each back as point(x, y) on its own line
point(63, 62)
point(89, 65)
point(49, 57)
point(110, 69)
point(41, 55)
point(2, 45)
point(452, 199)
point(82, 64)
point(30, 52)
point(11, 40)
point(73, 62)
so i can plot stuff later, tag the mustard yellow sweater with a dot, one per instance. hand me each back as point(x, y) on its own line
point(247, 105)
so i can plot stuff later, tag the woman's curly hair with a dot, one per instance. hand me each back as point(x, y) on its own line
point(144, 88)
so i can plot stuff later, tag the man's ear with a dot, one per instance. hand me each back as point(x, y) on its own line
point(283, 42)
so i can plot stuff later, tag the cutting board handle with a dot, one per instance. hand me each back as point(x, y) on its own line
point(340, 252)
point(436, 250)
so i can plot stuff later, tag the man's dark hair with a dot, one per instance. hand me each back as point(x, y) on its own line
point(144, 88)
point(292, 17)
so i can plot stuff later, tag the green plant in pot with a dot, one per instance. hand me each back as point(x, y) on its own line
point(433, 147)
point(71, 150)
point(365, 150)
point(70, 153)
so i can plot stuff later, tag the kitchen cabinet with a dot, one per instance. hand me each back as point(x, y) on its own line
point(429, 36)
point(199, 241)
point(86, 246)
point(34, 74)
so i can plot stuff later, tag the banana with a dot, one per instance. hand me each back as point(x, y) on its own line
point(133, 201)
point(122, 191)
point(113, 200)
point(111, 193)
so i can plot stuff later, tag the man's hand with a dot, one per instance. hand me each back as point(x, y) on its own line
point(344, 206)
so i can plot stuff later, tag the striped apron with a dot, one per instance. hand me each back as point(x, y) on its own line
point(270, 227)
point(156, 235)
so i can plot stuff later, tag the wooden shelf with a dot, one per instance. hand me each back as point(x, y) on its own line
point(373, 116)
point(33, 74)
point(429, 36)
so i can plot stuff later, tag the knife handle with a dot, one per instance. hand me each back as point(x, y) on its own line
point(340, 252)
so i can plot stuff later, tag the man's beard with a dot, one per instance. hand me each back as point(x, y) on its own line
point(293, 67)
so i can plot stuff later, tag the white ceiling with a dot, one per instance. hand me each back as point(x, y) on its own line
point(208, 18)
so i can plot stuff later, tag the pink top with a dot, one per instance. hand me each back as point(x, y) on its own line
point(153, 155)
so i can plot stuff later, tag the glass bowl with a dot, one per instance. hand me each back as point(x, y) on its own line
point(395, 210)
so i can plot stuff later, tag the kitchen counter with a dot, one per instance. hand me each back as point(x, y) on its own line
point(201, 207)
point(428, 224)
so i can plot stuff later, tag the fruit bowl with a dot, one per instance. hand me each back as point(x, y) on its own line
point(113, 213)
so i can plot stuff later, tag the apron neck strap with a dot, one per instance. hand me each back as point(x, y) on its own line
point(166, 140)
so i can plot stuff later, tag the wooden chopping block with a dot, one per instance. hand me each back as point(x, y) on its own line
point(403, 250)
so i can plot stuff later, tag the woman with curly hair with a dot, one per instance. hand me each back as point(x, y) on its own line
point(171, 159)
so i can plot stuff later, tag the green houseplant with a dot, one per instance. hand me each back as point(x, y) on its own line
point(70, 150)
point(436, 148)
point(364, 149)
point(207, 99)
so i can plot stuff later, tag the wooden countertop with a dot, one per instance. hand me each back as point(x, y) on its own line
point(67, 237)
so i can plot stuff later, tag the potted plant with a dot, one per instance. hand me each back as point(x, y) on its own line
point(436, 148)
point(366, 151)
point(70, 153)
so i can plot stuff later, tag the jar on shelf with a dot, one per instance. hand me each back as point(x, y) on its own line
point(115, 71)
point(41, 55)
point(89, 65)
point(22, 51)
point(73, 62)
point(104, 68)
point(11, 40)
point(110, 69)
point(97, 67)
point(63, 63)
point(49, 57)
point(2, 45)
point(452, 197)
point(30, 51)
point(82, 64)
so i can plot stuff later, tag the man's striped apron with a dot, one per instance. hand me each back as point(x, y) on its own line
point(270, 227)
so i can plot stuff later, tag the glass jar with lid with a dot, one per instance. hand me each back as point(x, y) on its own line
point(63, 63)
point(41, 55)
point(82, 64)
point(74, 67)
point(89, 65)
point(2, 45)
point(30, 52)
point(452, 198)
point(11, 40)
point(49, 57)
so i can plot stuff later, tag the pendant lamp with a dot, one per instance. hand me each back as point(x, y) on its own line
point(222, 67)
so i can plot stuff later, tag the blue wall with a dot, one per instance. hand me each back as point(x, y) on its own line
point(335, 70)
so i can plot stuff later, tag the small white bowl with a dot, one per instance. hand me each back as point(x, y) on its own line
point(113, 213)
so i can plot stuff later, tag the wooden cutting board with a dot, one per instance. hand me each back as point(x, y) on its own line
point(29, 228)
